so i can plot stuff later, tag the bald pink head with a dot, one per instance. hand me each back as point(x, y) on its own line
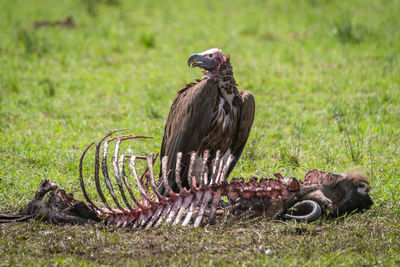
point(209, 60)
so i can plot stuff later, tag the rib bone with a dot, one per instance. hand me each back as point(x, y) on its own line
point(152, 208)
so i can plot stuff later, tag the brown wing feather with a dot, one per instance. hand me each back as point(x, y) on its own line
point(246, 117)
point(188, 122)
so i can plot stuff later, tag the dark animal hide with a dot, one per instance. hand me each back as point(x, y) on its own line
point(336, 194)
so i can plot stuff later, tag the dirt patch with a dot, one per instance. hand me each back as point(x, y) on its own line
point(68, 22)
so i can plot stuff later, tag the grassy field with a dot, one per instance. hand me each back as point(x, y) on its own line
point(325, 76)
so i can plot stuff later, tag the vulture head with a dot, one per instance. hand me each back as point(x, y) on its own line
point(210, 60)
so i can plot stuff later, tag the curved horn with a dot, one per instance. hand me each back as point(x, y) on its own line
point(306, 211)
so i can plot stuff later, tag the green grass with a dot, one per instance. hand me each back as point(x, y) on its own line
point(325, 76)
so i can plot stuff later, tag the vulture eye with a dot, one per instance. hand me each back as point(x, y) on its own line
point(210, 55)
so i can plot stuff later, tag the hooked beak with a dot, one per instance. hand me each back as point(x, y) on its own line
point(195, 60)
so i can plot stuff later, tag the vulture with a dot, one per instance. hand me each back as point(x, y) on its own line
point(208, 115)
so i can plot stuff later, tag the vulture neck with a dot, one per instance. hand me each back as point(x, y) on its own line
point(226, 82)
